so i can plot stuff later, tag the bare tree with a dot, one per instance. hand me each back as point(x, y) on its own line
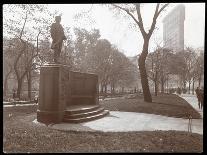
point(7, 64)
point(153, 67)
point(146, 37)
point(26, 37)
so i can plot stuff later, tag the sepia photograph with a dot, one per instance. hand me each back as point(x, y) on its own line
point(103, 77)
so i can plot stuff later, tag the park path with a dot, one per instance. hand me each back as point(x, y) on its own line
point(130, 121)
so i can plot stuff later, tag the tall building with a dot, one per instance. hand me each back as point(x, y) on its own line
point(173, 29)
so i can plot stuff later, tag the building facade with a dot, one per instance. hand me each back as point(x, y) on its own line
point(173, 29)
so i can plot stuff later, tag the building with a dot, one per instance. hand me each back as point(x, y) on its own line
point(173, 29)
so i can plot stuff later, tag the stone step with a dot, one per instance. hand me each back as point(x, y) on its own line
point(86, 119)
point(77, 109)
point(83, 114)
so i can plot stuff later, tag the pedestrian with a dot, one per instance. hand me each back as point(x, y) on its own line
point(201, 98)
point(198, 96)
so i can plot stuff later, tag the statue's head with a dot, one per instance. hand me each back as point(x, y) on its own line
point(58, 19)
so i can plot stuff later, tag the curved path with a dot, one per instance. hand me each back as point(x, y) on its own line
point(131, 121)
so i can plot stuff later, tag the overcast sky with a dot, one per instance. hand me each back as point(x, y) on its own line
point(117, 30)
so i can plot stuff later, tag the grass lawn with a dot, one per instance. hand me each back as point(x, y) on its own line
point(166, 104)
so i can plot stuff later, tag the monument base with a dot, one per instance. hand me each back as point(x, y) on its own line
point(49, 116)
point(52, 93)
point(68, 96)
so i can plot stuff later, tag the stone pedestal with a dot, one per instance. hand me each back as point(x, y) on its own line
point(52, 93)
point(67, 96)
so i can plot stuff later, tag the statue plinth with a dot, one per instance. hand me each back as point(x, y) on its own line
point(67, 96)
point(52, 92)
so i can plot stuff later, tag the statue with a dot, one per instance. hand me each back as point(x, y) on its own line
point(58, 36)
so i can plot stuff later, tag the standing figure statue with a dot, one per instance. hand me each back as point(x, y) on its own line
point(58, 36)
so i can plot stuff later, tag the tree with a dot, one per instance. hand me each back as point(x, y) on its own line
point(122, 72)
point(153, 66)
point(98, 62)
point(84, 43)
point(112, 66)
point(199, 68)
point(7, 64)
point(160, 65)
point(25, 23)
point(146, 37)
point(188, 62)
point(194, 67)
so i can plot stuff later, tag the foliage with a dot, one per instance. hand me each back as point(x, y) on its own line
point(190, 65)
point(160, 64)
point(85, 41)
point(112, 66)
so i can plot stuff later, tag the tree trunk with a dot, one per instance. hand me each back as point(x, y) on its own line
point(19, 78)
point(162, 84)
point(5, 87)
point(167, 85)
point(156, 83)
point(199, 81)
point(113, 88)
point(184, 84)
point(19, 88)
point(193, 86)
point(143, 73)
point(6, 83)
point(122, 89)
point(189, 86)
point(105, 88)
point(29, 81)
point(155, 88)
point(101, 87)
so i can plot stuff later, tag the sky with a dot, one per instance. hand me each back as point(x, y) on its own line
point(117, 29)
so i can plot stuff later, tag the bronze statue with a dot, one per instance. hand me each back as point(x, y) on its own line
point(58, 36)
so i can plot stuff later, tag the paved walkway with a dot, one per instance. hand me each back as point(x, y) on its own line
point(131, 121)
point(192, 100)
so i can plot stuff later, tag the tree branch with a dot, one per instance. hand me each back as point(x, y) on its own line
point(18, 57)
point(156, 14)
point(127, 11)
point(162, 8)
point(20, 36)
point(140, 22)
point(37, 42)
